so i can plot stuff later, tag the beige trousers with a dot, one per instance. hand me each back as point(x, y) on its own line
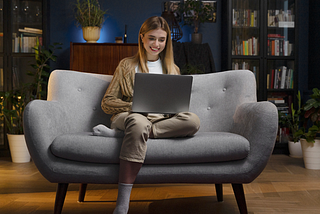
point(137, 128)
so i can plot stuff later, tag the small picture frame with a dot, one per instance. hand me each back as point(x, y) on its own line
point(213, 4)
point(173, 6)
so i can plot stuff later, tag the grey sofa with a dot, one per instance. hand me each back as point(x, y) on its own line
point(233, 145)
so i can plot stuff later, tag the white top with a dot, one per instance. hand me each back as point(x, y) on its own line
point(154, 67)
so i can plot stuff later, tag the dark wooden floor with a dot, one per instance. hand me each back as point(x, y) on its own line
point(285, 186)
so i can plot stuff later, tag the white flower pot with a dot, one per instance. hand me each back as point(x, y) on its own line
point(91, 34)
point(18, 148)
point(295, 149)
point(311, 154)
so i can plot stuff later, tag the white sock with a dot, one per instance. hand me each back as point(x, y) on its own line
point(102, 130)
point(123, 200)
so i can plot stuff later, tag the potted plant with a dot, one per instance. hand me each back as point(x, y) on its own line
point(13, 102)
point(90, 16)
point(292, 121)
point(195, 12)
point(310, 141)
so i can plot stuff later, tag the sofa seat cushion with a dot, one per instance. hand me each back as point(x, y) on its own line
point(204, 147)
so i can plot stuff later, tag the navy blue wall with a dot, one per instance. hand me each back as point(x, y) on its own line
point(133, 13)
point(121, 12)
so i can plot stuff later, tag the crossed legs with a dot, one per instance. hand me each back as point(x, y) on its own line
point(137, 130)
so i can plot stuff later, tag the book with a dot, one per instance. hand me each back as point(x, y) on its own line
point(1, 79)
point(272, 79)
point(30, 30)
point(283, 76)
point(275, 81)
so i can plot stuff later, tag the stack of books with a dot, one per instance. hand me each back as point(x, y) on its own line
point(278, 45)
point(26, 40)
point(249, 47)
point(280, 78)
point(245, 18)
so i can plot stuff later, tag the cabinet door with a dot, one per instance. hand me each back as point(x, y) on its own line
point(246, 36)
point(281, 28)
point(245, 28)
point(280, 52)
point(1, 30)
point(26, 25)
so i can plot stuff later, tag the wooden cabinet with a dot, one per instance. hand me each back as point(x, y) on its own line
point(102, 58)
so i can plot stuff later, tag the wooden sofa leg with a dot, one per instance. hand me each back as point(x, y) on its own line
point(219, 192)
point(82, 192)
point(241, 201)
point(60, 196)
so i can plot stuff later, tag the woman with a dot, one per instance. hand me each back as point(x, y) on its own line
point(155, 55)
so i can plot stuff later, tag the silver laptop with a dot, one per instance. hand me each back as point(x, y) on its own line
point(161, 93)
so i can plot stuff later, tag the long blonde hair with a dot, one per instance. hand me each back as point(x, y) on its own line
point(166, 55)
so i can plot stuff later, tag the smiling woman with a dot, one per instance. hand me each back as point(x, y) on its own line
point(155, 55)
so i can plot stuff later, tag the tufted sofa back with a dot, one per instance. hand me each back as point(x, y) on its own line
point(214, 97)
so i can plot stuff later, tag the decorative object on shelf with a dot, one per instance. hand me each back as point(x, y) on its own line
point(118, 39)
point(197, 12)
point(90, 16)
point(13, 103)
point(168, 14)
point(91, 34)
point(125, 37)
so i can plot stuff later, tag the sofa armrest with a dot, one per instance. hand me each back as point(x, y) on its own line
point(257, 122)
point(43, 122)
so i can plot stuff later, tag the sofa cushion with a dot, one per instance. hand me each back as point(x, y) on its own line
point(204, 147)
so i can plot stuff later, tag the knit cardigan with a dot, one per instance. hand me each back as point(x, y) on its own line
point(118, 97)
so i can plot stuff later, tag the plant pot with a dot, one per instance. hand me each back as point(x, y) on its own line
point(91, 34)
point(18, 148)
point(196, 38)
point(311, 154)
point(295, 149)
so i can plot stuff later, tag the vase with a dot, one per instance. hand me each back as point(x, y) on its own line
point(311, 154)
point(18, 148)
point(196, 38)
point(295, 149)
point(91, 34)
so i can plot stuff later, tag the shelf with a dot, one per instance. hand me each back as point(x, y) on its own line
point(281, 90)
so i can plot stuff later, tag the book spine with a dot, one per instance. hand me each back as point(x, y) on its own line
point(272, 79)
point(283, 77)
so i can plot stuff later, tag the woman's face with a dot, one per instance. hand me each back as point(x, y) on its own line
point(154, 42)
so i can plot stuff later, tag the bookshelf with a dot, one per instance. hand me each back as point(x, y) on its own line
point(262, 35)
point(21, 27)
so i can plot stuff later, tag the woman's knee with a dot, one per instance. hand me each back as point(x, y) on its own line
point(191, 120)
point(137, 124)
